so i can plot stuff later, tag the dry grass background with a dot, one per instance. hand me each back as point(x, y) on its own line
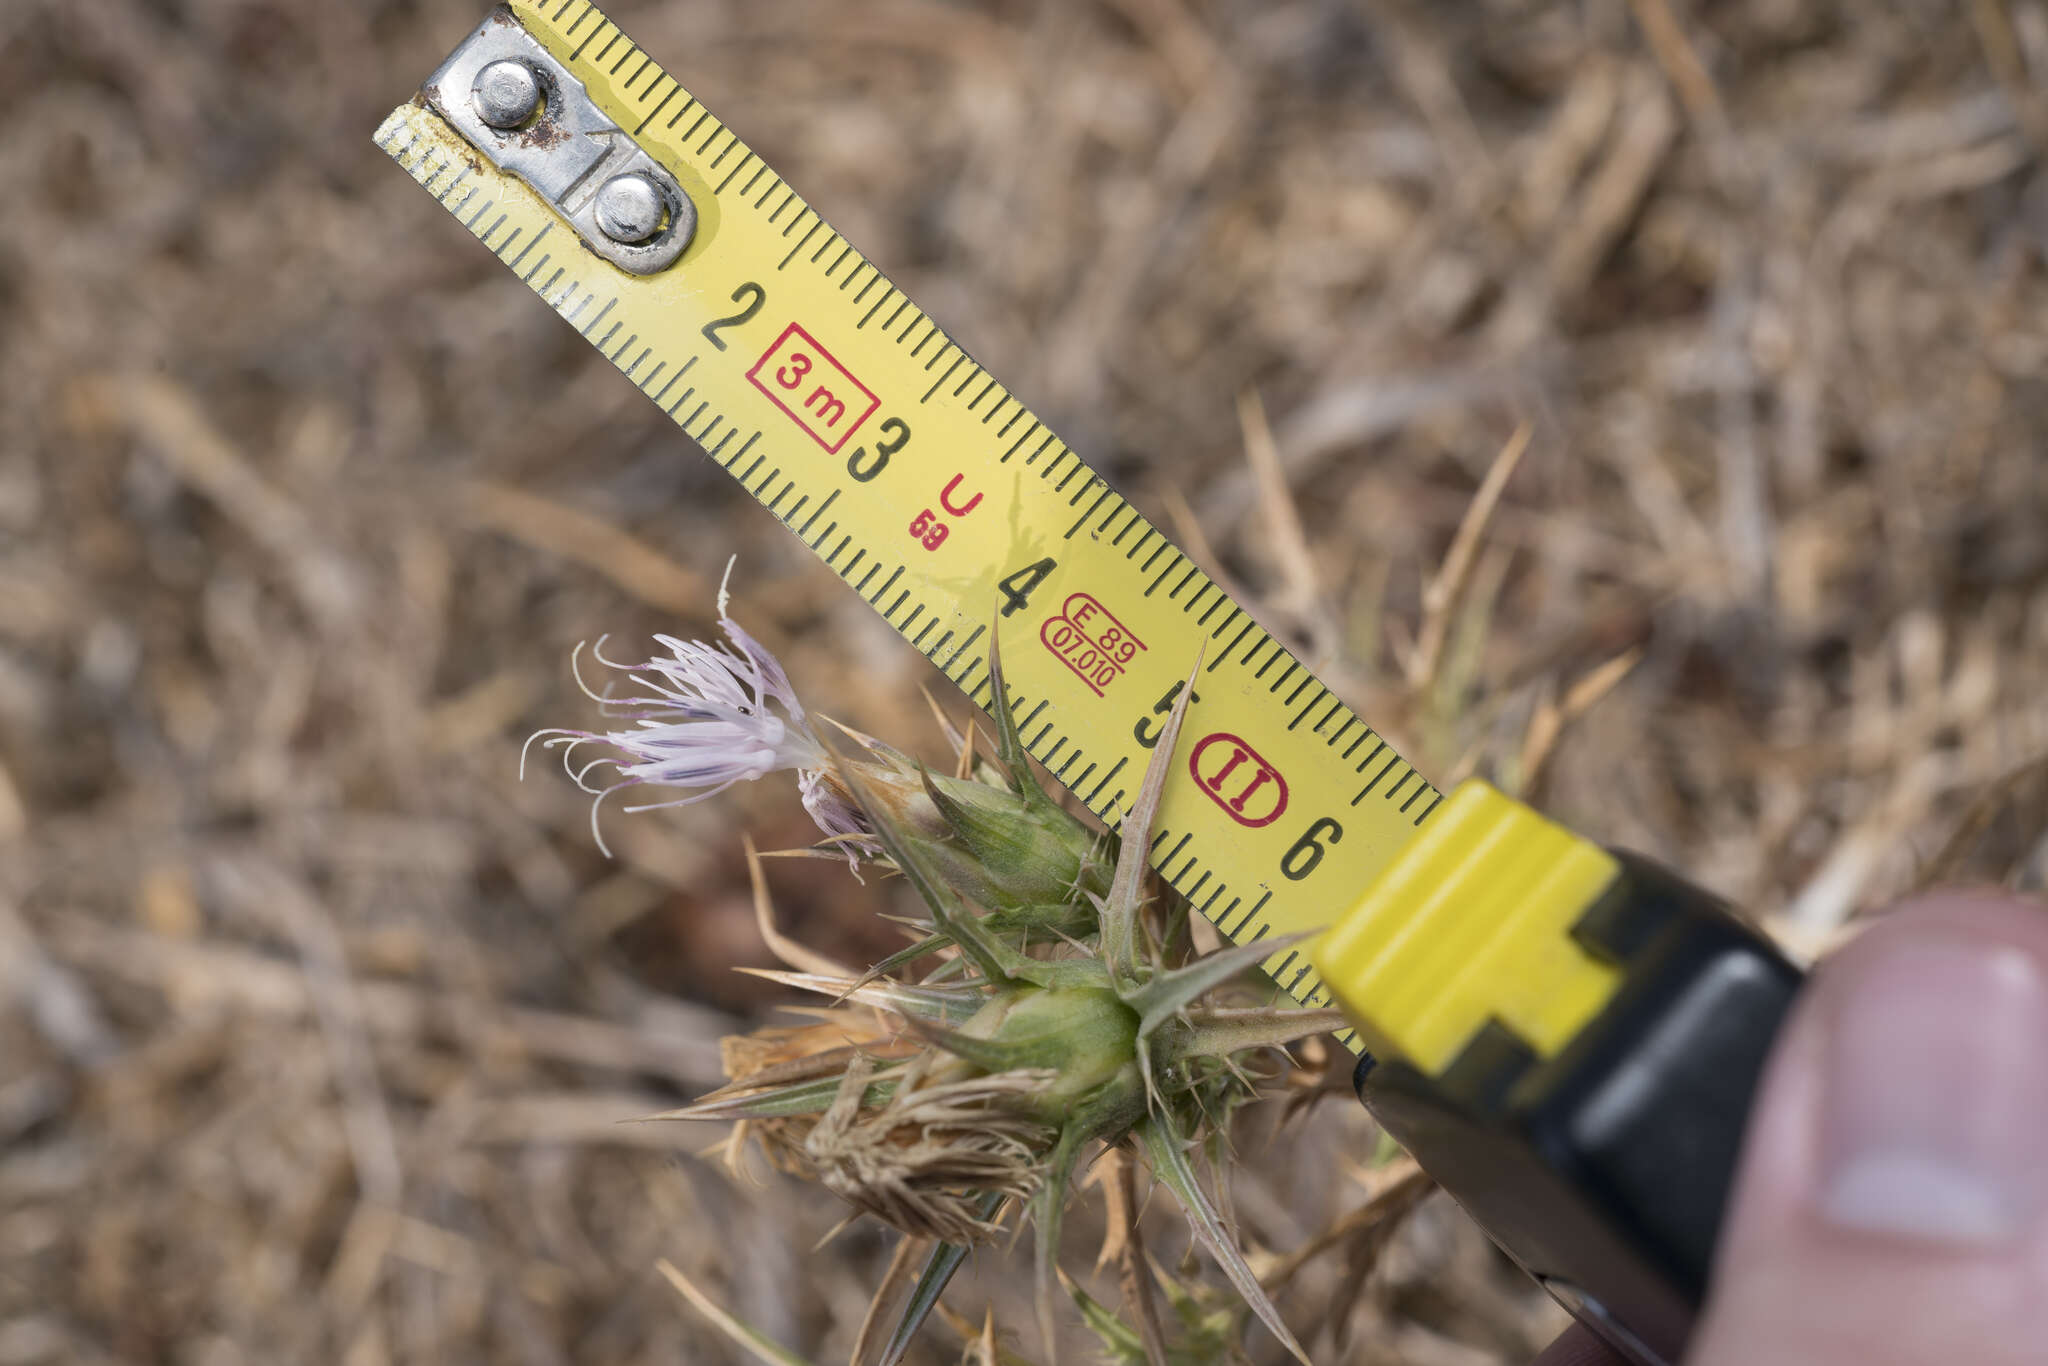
point(316, 1029)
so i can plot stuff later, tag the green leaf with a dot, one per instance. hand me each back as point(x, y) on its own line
point(1048, 1206)
point(1212, 1320)
point(919, 1002)
point(1220, 1034)
point(943, 1261)
point(991, 1055)
point(1126, 890)
point(1119, 1339)
point(904, 957)
point(1166, 1152)
point(1061, 974)
point(1168, 992)
point(948, 911)
point(1107, 1115)
point(812, 1098)
point(1069, 920)
point(1161, 998)
point(1010, 751)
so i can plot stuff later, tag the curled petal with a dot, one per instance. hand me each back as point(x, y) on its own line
point(839, 818)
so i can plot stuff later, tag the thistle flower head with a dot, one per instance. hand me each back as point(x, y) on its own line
point(704, 716)
point(1026, 1035)
point(1040, 1013)
point(699, 719)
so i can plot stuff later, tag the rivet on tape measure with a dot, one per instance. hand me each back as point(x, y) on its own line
point(1565, 1037)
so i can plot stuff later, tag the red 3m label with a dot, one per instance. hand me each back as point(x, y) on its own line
point(819, 394)
point(1088, 638)
point(1239, 779)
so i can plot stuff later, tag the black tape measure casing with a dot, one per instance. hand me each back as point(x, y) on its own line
point(1604, 1170)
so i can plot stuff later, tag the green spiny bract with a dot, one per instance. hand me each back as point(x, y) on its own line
point(1003, 850)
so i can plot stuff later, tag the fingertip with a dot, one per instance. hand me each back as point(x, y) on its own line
point(1577, 1346)
point(1900, 1112)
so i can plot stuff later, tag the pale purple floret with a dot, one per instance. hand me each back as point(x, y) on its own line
point(703, 718)
point(839, 818)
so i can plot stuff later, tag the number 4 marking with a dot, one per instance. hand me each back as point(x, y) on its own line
point(1018, 587)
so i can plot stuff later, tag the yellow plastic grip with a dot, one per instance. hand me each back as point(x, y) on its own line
point(1470, 923)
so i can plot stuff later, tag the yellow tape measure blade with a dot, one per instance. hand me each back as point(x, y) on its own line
point(849, 414)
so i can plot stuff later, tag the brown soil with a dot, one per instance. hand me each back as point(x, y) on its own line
point(318, 1029)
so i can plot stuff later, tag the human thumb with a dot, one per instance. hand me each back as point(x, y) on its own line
point(1892, 1203)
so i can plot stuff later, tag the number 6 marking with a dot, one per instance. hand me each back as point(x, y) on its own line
point(1301, 859)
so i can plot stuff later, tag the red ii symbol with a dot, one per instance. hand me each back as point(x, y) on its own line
point(1237, 778)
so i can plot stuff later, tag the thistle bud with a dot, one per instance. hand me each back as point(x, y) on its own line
point(998, 849)
point(1085, 1038)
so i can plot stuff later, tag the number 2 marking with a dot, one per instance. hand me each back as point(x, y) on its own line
point(746, 314)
